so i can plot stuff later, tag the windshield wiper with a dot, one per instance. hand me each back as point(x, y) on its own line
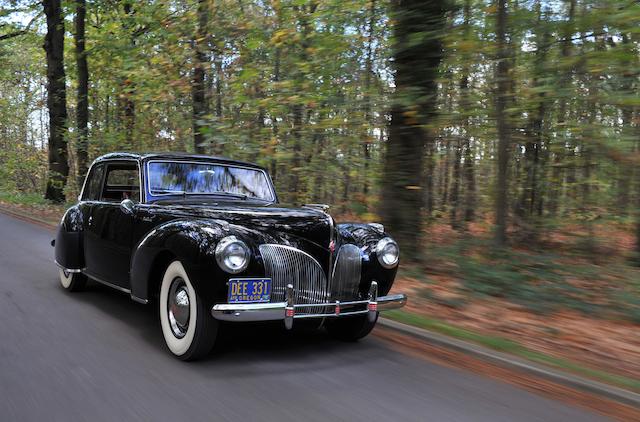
point(168, 192)
point(233, 195)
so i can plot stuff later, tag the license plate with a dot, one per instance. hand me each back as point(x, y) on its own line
point(249, 290)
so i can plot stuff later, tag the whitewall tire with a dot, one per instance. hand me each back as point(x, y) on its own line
point(188, 329)
point(72, 282)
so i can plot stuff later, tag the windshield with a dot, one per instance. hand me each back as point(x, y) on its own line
point(189, 178)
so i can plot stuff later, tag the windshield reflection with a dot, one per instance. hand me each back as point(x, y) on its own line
point(181, 178)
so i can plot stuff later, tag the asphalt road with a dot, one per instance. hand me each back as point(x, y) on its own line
point(97, 355)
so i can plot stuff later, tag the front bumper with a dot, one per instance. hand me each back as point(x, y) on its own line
point(248, 312)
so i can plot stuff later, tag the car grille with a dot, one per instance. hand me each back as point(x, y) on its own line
point(287, 265)
point(345, 282)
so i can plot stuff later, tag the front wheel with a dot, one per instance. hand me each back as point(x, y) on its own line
point(350, 328)
point(189, 330)
point(72, 282)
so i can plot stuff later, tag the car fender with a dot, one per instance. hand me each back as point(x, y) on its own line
point(366, 237)
point(193, 243)
point(69, 250)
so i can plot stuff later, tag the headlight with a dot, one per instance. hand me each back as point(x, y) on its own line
point(388, 252)
point(232, 255)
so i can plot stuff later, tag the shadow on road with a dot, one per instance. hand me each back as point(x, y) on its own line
point(238, 345)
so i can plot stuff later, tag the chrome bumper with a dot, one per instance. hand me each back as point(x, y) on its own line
point(247, 312)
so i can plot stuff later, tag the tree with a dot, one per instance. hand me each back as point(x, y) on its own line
point(366, 114)
point(198, 87)
point(530, 202)
point(503, 84)
point(82, 106)
point(56, 101)
point(417, 55)
point(468, 170)
point(127, 106)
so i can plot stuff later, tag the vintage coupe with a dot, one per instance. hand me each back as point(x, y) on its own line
point(205, 239)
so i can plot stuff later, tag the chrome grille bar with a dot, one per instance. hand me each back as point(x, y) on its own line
point(345, 281)
point(288, 265)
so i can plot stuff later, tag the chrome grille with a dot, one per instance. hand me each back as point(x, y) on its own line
point(346, 273)
point(287, 265)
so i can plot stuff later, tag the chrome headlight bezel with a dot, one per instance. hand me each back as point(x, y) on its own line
point(384, 252)
point(224, 252)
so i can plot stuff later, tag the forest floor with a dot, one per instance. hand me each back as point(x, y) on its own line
point(576, 308)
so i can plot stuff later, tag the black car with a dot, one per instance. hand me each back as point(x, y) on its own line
point(206, 240)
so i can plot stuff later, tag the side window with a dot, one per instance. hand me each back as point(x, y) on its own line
point(93, 184)
point(122, 182)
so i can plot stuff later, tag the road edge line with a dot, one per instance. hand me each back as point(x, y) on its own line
point(511, 362)
point(28, 218)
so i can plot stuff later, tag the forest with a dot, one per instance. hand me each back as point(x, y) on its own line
point(497, 140)
point(517, 121)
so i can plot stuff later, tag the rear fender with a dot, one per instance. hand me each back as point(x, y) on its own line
point(69, 251)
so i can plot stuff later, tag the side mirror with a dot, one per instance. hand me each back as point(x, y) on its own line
point(127, 206)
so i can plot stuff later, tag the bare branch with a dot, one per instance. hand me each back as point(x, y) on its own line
point(20, 32)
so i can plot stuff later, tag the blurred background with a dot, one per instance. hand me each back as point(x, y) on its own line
point(498, 141)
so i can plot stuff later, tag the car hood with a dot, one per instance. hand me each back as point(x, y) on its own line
point(305, 227)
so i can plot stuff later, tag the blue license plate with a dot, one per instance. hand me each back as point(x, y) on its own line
point(249, 290)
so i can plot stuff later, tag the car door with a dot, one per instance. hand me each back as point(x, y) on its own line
point(108, 233)
point(89, 198)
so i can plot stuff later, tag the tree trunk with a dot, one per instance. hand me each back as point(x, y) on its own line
point(502, 121)
point(455, 188)
point(530, 201)
point(637, 177)
point(298, 109)
point(367, 97)
point(430, 164)
point(273, 163)
point(198, 87)
point(56, 101)
point(128, 107)
point(82, 107)
point(468, 172)
point(416, 65)
point(444, 179)
point(565, 80)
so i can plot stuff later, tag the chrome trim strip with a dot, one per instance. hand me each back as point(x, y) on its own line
point(139, 300)
point(69, 270)
point(332, 240)
point(106, 283)
point(327, 315)
point(274, 198)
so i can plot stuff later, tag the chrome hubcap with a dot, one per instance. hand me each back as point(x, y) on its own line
point(178, 307)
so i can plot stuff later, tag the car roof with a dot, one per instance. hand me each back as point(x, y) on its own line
point(178, 156)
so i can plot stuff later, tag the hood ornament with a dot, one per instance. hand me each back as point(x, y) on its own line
point(321, 207)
